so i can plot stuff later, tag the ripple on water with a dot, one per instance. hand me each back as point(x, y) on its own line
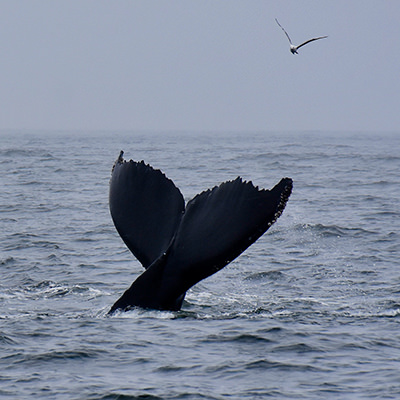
point(310, 311)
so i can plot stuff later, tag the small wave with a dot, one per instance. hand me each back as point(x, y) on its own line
point(140, 313)
point(262, 364)
point(60, 355)
point(6, 339)
point(9, 208)
point(381, 183)
point(7, 261)
point(49, 289)
point(266, 364)
point(372, 313)
point(295, 348)
point(270, 275)
point(334, 230)
point(27, 153)
point(121, 396)
point(32, 183)
point(386, 214)
point(21, 241)
point(174, 368)
point(243, 338)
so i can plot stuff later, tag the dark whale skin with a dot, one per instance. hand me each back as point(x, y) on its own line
point(179, 246)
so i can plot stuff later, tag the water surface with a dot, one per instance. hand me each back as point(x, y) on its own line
point(310, 311)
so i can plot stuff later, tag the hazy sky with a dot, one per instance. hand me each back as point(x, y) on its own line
point(215, 65)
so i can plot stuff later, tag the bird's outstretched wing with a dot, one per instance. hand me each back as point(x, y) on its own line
point(284, 31)
point(146, 208)
point(310, 40)
point(218, 225)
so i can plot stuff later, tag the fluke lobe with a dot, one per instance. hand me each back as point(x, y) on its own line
point(179, 246)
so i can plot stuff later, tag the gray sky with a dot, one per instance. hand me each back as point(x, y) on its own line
point(215, 65)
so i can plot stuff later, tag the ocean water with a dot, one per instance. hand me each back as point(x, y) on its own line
point(310, 311)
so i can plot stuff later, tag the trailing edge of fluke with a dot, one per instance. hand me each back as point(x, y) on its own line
point(180, 245)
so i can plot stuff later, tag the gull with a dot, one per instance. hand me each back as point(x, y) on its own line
point(293, 48)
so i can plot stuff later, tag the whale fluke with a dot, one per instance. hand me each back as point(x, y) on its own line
point(178, 246)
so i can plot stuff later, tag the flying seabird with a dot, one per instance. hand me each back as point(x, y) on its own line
point(293, 48)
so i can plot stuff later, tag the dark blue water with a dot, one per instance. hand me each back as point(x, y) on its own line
point(310, 311)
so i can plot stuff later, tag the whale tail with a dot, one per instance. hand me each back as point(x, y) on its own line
point(178, 246)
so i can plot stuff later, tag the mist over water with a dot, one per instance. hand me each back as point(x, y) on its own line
point(310, 311)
